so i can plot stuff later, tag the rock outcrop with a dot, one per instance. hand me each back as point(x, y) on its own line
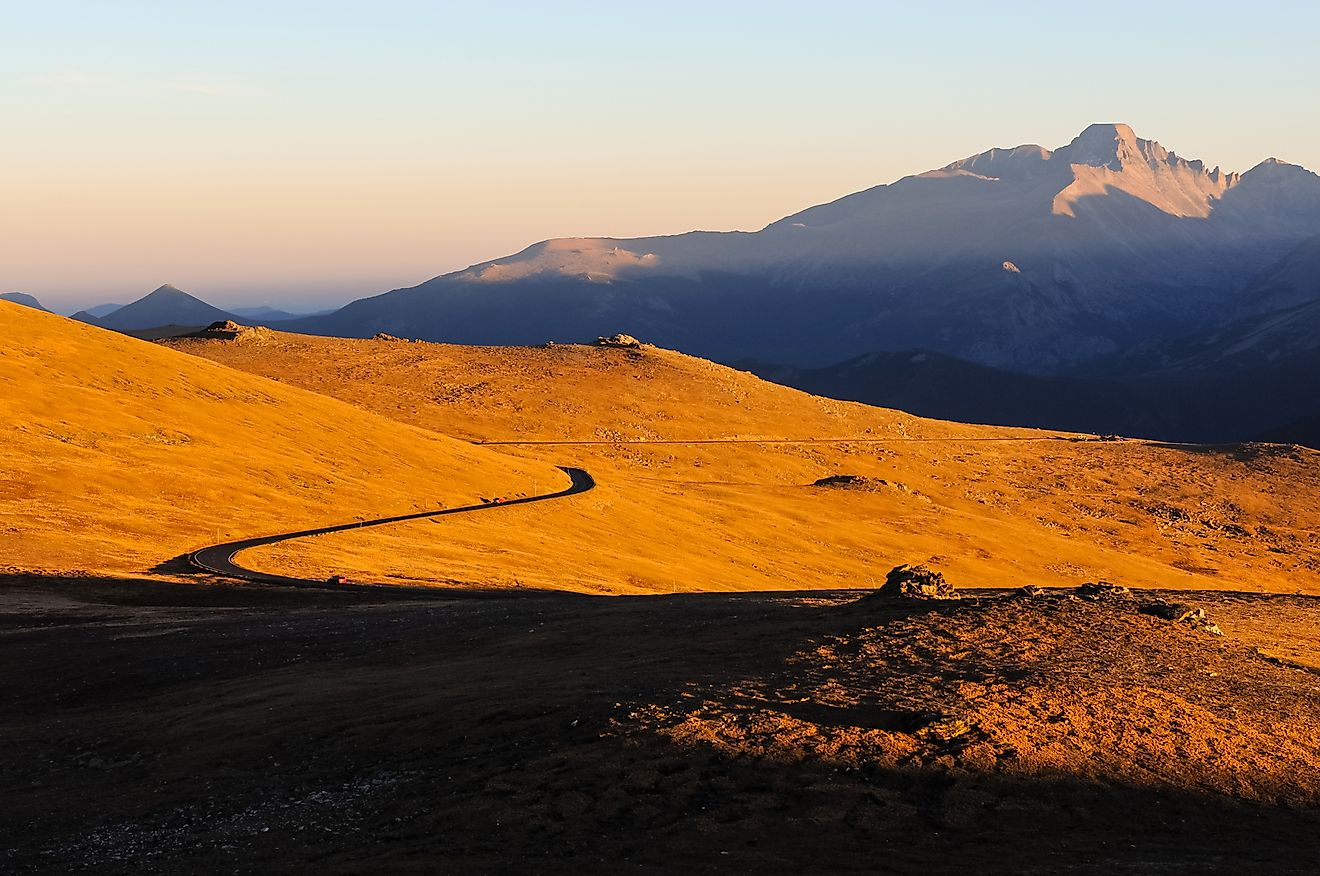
point(1101, 591)
point(1181, 613)
point(915, 582)
point(619, 340)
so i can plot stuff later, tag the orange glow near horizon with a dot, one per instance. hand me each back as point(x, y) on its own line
point(294, 152)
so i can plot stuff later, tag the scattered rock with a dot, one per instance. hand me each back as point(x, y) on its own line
point(1103, 590)
point(860, 482)
point(864, 484)
point(382, 336)
point(1181, 613)
point(915, 582)
point(619, 340)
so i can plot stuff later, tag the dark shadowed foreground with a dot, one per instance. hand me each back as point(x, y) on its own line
point(154, 728)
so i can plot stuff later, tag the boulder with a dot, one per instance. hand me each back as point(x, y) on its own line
point(1181, 613)
point(1103, 590)
point(915, 582)
point(1029, 591)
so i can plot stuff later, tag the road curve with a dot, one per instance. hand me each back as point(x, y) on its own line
point(219, 559)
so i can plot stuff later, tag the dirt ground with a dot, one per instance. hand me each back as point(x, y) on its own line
point(164, 728)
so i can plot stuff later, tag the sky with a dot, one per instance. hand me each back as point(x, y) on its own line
point(304, 154)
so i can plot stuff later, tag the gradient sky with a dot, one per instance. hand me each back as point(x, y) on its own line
point(307, 153)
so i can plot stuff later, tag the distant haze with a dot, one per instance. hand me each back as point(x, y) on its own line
point(300, 154)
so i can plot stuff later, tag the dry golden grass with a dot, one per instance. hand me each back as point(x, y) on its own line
point(117, 454)
point(672, 517)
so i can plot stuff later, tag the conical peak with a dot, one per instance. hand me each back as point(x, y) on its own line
point(167, 289)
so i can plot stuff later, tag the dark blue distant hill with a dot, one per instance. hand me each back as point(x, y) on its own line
point(23, 299)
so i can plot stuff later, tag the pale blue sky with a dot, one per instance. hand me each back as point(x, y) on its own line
point(269, 151)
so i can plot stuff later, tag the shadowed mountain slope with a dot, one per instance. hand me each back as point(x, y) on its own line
point(1304, 431)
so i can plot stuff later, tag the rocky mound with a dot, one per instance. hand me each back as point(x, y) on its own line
point(228, 330)
point(915, 582)
point(1105, 689)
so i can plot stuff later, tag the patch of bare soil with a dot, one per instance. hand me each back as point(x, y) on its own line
point(177, 729)
point(1033, 686)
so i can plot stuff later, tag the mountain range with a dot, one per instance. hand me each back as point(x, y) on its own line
point(1109, 285)
point(1025, 258)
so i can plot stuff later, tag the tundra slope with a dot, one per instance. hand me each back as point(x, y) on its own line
point(750, 513)
point(117, 455)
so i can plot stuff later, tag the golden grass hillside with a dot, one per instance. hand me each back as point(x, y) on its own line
point(990, 506)
point(117, 454)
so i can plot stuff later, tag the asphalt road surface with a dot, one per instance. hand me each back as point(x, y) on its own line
point(219, 559)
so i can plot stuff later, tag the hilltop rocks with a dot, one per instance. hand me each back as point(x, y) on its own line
point(915, 582)
point(619, 340)
point(1181, 613)
point(225, 330)
point(228, 330)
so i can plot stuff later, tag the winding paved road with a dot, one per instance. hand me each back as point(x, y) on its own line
point(219, 559)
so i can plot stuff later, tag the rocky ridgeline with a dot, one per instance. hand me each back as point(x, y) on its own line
point(919, 582)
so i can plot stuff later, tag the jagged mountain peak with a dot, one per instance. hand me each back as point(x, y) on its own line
point(1112, 145)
